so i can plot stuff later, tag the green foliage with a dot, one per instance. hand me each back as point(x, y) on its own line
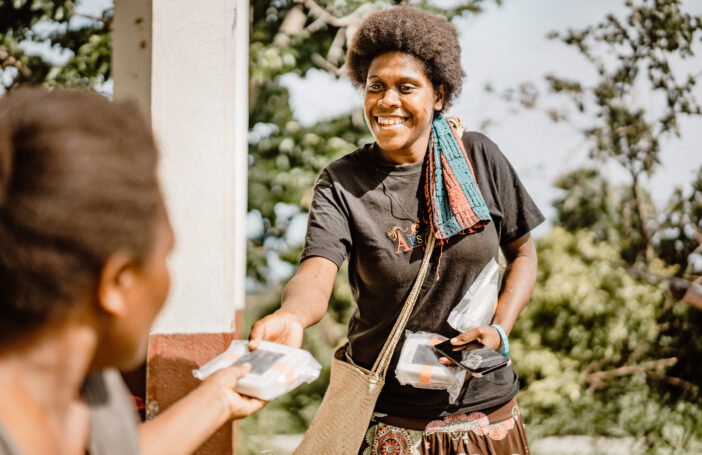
point(86, 47)
point(589, 201)
point(588, 316)
point(680, 234)
point(604, 347)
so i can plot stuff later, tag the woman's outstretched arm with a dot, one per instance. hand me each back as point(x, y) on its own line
point(304, 302)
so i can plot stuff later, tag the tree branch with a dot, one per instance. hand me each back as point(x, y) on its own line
point(596, 379)
point(106, 22)
point(641, 210)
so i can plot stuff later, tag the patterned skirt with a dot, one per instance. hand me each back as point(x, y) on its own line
point(499, 431)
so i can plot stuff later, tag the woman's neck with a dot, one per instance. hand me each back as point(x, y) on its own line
point(41, 377)
point(412, 154)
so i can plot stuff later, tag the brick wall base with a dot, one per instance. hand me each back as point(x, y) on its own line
point(171, 359)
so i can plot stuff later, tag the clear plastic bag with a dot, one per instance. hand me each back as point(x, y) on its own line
point(276, 369)
point(477, 307)
point(419, 366)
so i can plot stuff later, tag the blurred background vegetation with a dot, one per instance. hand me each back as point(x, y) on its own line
point(610, 344)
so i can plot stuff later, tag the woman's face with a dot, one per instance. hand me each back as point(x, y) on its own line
point(142, 290)
point(399, 106)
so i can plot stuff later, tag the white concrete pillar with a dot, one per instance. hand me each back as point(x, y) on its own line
point(186, 64)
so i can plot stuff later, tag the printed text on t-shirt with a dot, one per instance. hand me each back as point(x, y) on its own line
point(406, 239)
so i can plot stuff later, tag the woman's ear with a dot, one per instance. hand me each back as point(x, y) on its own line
point(439, 97)
point(116, 279)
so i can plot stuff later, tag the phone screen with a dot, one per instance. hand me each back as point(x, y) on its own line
point(479, 360)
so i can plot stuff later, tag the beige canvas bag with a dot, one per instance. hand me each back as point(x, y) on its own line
point(341, 422)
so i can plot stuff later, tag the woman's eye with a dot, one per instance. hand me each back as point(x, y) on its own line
point(374, 87)
point(406, 88)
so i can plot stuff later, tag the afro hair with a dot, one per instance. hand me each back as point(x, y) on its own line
point(431, 39)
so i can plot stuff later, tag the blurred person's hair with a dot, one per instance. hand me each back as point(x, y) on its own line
point(430, 38)
point(78, 182)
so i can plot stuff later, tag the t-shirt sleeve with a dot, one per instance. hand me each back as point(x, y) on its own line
point(328, 232)
point(519, 211)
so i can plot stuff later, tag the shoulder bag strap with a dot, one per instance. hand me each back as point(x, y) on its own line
point(380, 367)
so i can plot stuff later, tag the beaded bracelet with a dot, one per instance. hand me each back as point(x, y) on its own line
point(503, 336)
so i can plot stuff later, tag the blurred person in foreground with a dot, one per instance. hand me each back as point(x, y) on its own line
point(377, 205)
point(84, 238)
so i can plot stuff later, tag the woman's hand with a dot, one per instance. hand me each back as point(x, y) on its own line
point(304, 302)
point(485, 334)
point(223, 382)
point(280, 327)
point(489, 336)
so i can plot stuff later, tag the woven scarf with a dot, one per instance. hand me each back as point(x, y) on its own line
point(454, 199)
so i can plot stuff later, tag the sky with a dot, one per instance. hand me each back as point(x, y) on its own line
point(505, 46)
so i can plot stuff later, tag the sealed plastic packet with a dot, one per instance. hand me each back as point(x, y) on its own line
point(477, 307)
point(419, 366)
point(276, 369)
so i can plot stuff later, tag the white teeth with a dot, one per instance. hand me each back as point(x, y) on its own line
point(390, 120)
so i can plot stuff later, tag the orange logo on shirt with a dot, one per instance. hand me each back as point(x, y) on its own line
point(405, 242)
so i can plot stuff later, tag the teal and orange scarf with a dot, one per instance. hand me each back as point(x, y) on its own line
point(454, 199)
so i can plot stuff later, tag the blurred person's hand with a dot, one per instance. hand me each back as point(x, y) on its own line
point(224, 381)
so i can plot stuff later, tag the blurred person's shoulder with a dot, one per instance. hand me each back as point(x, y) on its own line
point(113, 416)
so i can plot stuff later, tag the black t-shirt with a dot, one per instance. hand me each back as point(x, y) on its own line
point(367, 210)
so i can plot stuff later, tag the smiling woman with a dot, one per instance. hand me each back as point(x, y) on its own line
point(423, 177)
point(399, 105)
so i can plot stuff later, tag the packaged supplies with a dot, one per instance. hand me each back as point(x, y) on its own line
point(276, 369)
point(477, 307)
point(419, 365)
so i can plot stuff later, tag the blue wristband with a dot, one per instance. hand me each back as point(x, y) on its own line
point(503, 336)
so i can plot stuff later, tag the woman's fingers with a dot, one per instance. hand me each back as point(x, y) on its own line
point(239, 371)
point(261, 330)
point(446, 361)
point(246, 406)
point(228, 377)
point(279, 327)
point(489, 336)
point(466, 337)
point(256, 334)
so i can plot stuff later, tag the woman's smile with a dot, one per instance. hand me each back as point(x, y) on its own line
point(399, 105)
point(385, 121)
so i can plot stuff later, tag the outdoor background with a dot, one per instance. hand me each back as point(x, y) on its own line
point(596, 104)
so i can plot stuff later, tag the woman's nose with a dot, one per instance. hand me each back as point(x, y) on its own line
point(390, 98)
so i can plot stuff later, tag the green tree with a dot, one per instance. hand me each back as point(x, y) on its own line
point(53, 31)
point(605, 346)
point(601, 352)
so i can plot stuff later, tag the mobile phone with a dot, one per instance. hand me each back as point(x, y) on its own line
point(474, 356)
